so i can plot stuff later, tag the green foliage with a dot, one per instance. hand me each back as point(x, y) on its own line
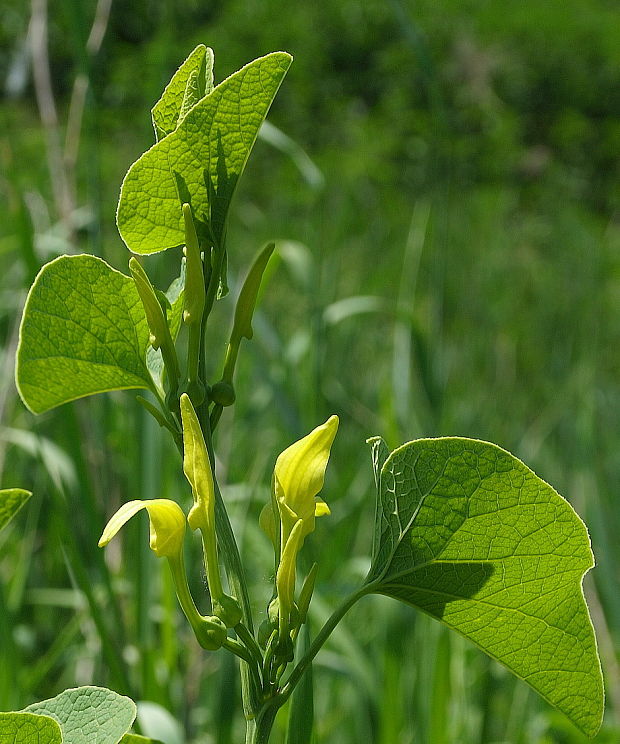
point(11, 501)
point(88, 714)
point(199, 163)
point(28, 728)
point(417, 579)
point(469, 534)
point(83, 331)
point(137, 739)
point(192, 81)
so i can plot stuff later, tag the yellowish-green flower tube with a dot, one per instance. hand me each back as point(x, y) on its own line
point(197, 469)
point(167, 530)
point(298, 477)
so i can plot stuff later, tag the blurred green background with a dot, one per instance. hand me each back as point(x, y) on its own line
point(443, 182)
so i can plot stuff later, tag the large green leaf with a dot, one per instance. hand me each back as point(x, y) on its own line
point(89, 714)
point(469, 534)
point(83, 331)
point(11, 501)
point(195, 74)
point(199, 162)
point(28, 728)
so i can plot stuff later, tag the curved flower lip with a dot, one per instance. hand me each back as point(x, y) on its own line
point(167, 525)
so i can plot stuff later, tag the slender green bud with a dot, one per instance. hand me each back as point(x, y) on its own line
point(242, 325)
point(158, 325)
point(244, 310)
point(152, 306)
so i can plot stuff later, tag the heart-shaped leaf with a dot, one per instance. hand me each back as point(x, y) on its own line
point(469, 534)
point(83, 331)
point(89, 714)
point(11, 501)
point(200, 162)
point(28, 728)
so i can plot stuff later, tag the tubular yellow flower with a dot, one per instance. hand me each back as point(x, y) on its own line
point(285, 577)
point(167, 522)
point(167, 525)
point(298, 477)
point(197, 469)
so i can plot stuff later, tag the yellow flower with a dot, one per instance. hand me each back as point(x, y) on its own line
point(197, 469)
point(298, 477)
point(167, 525)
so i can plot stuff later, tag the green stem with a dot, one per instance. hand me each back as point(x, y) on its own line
point(248, 639)
point(318, 642)
point(212, 567)
point(233, 566)
point(214, 278)
point(216, 413)
point(259, 729)
point(243, 653)
point(177, 568)
point(195, 386)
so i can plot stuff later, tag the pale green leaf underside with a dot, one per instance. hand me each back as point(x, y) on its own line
point(165, 113)
point(469, 534)
point(11, 501)
point(89, 714)
point(200, 162)
point(28, 728)
point(83, 331)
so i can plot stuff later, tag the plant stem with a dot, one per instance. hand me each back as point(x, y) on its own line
point(318, 642)
point(259, 729)
point(234, 568)
point(248, 639)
